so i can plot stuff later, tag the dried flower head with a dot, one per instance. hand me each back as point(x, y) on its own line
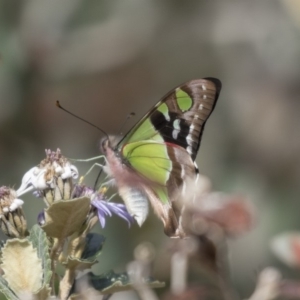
point(286, 246)
point(213, 213)
point(12, 221)
point(52, 178)
point(8, 200)
point(231, 213)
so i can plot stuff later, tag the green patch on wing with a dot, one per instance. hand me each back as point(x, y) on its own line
point(162, 194)
point(144, 131)
point(184, 101)
point(150, 159)
point(163, 108)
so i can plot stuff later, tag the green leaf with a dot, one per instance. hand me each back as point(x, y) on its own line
point(112, 282)
point(63, 218)
point(6, 291)
point(21, 265)
point(40, 242)
point(93, 247)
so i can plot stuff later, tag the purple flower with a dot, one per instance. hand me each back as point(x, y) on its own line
point(104, 208)
point(41, 218)
point(107, 209)
point(81, 190)
point(38, 194)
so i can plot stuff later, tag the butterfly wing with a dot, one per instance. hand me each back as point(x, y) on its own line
point(165, 169)
point(163, 145)
point(180, 116)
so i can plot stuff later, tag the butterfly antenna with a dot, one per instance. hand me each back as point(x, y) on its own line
point(77, 117)
point(129, 116)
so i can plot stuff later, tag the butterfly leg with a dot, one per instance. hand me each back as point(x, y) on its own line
point(88, 159)
point(109, 182)
point(112, 196)
point(90, 170)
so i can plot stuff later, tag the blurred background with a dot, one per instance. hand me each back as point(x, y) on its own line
point(105, 59)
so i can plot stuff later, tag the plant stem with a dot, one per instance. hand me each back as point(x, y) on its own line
point(66, 283)
point(55, 252)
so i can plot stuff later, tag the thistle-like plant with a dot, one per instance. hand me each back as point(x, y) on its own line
point(63, 236)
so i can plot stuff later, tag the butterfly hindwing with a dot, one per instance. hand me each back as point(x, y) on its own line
point(162, 164)
point(165, 168)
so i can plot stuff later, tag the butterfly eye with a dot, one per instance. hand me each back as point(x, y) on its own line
point(104, 144)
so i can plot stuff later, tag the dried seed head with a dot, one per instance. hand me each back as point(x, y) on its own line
point(12, 221)
point(8, 200)
point(52, 178)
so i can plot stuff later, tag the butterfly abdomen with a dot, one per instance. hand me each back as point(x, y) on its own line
point(136, 202)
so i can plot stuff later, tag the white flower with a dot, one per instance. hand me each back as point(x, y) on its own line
point(45, 174)
point(33, 179)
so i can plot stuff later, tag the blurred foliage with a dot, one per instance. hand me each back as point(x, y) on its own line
point(104, 59)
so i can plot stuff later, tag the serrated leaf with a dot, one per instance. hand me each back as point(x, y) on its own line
point(44, 293)
point(6, 291)
point(78, 264)
point(40, 242)
point(87, 293)
point(118, 286)
point(21, 265)
point(63, 218)
point(112, 282)
point(94, 244)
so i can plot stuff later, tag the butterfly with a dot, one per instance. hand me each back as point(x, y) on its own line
point(155, 160)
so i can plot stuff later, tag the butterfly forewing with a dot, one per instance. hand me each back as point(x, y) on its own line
point(179, 118)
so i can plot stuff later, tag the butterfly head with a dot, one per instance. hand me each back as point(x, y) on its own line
point(109, 142)
point(104, 145)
